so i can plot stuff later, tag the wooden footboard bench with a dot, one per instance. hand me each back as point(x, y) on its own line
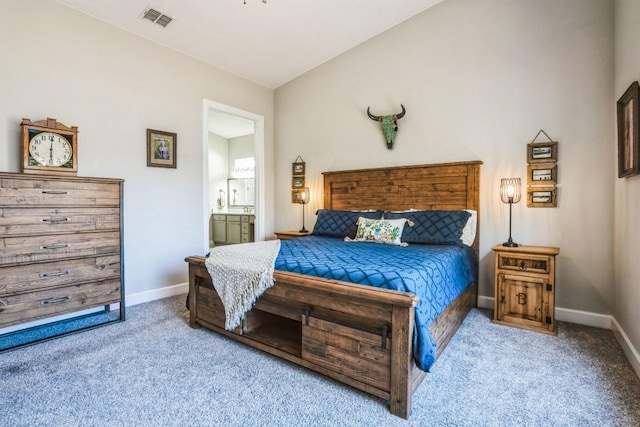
point(359, 335)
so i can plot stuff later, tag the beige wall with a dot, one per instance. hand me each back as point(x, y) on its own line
point(627, 190)
point(113, 85)
point(479, 79)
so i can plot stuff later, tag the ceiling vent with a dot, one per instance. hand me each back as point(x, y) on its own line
point(156, 17)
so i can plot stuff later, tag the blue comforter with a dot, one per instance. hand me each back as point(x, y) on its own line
point(435, 273)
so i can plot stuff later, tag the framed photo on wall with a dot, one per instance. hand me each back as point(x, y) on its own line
point(541, 197)
point(627, 109)
point(542, 152)
point(298, 195)
point(161, 148)
point(297, 169)
point(542, 174)
point(297, 182)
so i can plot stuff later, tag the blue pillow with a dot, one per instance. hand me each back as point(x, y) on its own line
point(432, 227)
point(335, 223)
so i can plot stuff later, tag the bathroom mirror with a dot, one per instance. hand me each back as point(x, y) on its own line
point(241, 192)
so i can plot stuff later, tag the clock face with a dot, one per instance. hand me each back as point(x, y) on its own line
point(50, 149)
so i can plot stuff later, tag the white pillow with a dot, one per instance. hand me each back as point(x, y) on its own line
point(469, 230)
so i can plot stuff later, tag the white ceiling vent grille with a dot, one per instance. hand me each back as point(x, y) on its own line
point(156, 17)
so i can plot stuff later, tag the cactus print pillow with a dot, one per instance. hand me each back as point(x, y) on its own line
point(386, 231)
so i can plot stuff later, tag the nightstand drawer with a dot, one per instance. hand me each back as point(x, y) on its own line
point(528, 263)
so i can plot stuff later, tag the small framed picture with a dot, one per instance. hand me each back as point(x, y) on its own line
point(298, 195)
point(542, 152)
point(297, 182)
point(628, 132)
point(161, 148)
point(539, 174)
point(297, 169)
point(541, 197)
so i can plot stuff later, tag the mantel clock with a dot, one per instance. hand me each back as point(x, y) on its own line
point(49, 148)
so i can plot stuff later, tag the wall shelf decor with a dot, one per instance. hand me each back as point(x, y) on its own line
point(542, 172)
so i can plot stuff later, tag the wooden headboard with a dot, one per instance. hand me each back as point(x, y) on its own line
point(442, 186)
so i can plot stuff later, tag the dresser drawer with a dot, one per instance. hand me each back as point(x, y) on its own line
point(52, 302)
point(30, 249)
point(52, 192)
point(40, 221)
point(29, 278)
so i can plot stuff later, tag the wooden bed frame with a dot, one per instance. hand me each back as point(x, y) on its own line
point(359, 335)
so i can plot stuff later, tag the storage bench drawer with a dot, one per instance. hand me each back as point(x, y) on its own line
point(33, 277)
point(356, 353)
point(52, 302)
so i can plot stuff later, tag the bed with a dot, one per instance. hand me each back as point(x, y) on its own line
point(363, 336)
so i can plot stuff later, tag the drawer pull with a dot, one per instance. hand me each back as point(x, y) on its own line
point(55, 300)
point(523, 265)
point(55, 273)
point(54, 192)
point(55, 246)
point(55, 220)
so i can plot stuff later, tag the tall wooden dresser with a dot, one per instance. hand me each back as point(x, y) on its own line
point(61, 246)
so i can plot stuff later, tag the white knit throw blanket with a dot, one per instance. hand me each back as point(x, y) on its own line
point(240, 274)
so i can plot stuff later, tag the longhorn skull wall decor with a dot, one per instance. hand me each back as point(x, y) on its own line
point(389, 125)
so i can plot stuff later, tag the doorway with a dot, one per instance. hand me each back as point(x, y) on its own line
point(231, 121)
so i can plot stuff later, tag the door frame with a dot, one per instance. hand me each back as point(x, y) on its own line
point(258, 149)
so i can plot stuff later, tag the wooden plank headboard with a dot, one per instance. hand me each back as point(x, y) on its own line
point(442, 186)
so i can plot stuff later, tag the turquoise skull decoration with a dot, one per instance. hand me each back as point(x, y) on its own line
point(389, 125)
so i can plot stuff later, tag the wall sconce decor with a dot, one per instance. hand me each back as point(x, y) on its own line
point(510, 193)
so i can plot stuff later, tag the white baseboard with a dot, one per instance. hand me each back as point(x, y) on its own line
point(628, 348)
point(565, 315)
point(154, 294)
point(586, 318)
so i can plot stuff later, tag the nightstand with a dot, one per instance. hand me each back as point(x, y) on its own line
point(287, 235)
point(525, 287)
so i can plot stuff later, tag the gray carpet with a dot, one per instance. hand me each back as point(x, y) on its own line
point(154, 370)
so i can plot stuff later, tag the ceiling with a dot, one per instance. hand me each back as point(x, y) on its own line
point(268, 43)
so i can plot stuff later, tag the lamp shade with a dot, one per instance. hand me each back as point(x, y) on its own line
point(304, 195)
point(510, 190)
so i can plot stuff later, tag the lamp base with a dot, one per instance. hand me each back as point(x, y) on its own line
point(303, 230)
point(510, 243)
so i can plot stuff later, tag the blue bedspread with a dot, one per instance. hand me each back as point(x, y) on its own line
point(435, 273)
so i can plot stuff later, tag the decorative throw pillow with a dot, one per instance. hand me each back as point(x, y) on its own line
point(337, 223)
point(379, 231)
point(433, 227)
